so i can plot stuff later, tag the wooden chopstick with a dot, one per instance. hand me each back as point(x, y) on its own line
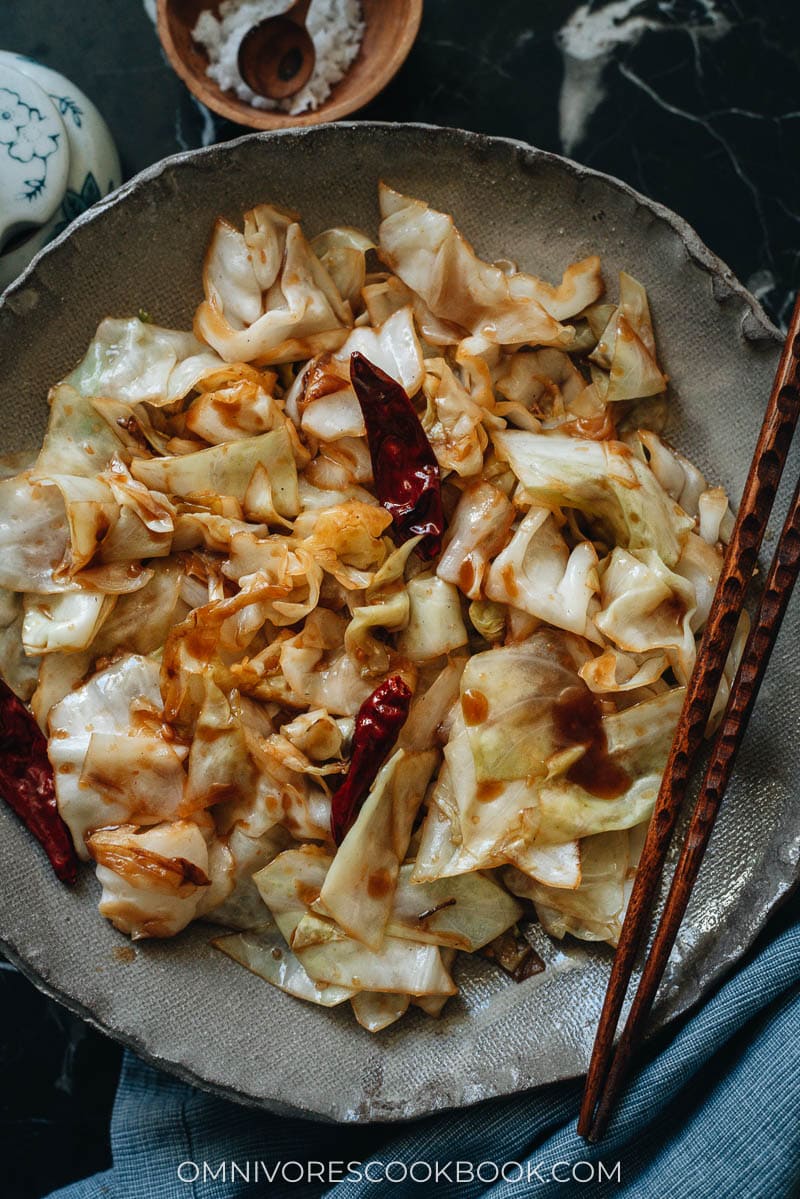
point(758, 497)
point(744, 691)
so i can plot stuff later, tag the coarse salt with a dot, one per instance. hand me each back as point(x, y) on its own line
point(336, 28)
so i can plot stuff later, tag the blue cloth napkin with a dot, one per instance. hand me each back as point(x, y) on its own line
point(713, 1113)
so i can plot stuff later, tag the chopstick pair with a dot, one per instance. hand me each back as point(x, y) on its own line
point(609, 1065)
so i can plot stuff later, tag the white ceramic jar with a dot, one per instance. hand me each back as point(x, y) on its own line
point(57, 158)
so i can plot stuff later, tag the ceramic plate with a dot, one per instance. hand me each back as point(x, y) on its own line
point(181, 1004)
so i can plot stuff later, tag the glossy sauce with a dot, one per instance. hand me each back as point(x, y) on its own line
point(200, 643)
point(595, 428)
point(672, 609)
point(379, 884)
point(510, 581)
point(466, 576)
point(305, 892)
point(322, 379)
point(475, 706)
point(578, 720)
point(228, 411)
point(488, 790)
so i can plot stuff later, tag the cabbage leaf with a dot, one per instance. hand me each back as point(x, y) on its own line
point(375, 1011)
point(465, 912)
point(602, 479)
point(265, 952)
point(70, 621)
point(107, 703)
point(18, 668)
point(136, 362)
point(227, 469)
point(34, 537)
point(593, 911)
point(435, 625)
point(393, 347)
point(646, 607)
point(359, 888)
point(152, 878)
point(537, 573)
point(250, 313)
point(426, 250)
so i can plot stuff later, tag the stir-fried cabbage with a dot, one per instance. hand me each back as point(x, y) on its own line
point(135, 362)
point(594, 910)
point(68, 621)
point(359, 888)
point(100, 732)
point(347, 696)
point(435, 624)
point(34, 537)
point(226, 470)
point(152, 878)
point(18, 665)
point(268, 296)
point(627, 348)
point(478, 531)
point(646, 607)
point(264, 951)
point(431, 257)
point(604, 480)
point(537, 573)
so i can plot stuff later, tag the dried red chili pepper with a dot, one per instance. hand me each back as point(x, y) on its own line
point(406, 472)
point(379, 720)
point(27, 784)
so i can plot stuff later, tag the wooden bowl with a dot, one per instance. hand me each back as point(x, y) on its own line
point(390, 29)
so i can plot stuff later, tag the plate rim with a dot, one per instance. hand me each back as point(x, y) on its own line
point(700, 253)
point(725, 285)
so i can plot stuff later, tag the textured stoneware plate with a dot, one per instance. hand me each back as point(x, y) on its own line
point(181, 1004)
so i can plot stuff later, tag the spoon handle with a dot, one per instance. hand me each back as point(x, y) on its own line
point(299, 12)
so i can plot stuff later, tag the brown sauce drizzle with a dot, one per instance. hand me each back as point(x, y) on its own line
point(475, 705)
point(379, 884)
point(305, 892)
point(510, 581)
point(466, 576)
point(210, 733)
point(227, 412)
point(578, 720)
point(673, 609)
point(322, 379)
point(488, 790)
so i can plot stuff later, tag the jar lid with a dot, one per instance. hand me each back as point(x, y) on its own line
point(34, 156)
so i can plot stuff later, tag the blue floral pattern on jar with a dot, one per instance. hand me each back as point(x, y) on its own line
point(28, 137)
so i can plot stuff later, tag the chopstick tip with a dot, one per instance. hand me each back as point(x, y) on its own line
point(585, 1119)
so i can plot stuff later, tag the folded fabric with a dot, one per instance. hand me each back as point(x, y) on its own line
point(713, 1112)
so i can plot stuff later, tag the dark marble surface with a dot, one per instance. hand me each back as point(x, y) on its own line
point(695, 102)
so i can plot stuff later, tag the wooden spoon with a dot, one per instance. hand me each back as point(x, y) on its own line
point(277, 56)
